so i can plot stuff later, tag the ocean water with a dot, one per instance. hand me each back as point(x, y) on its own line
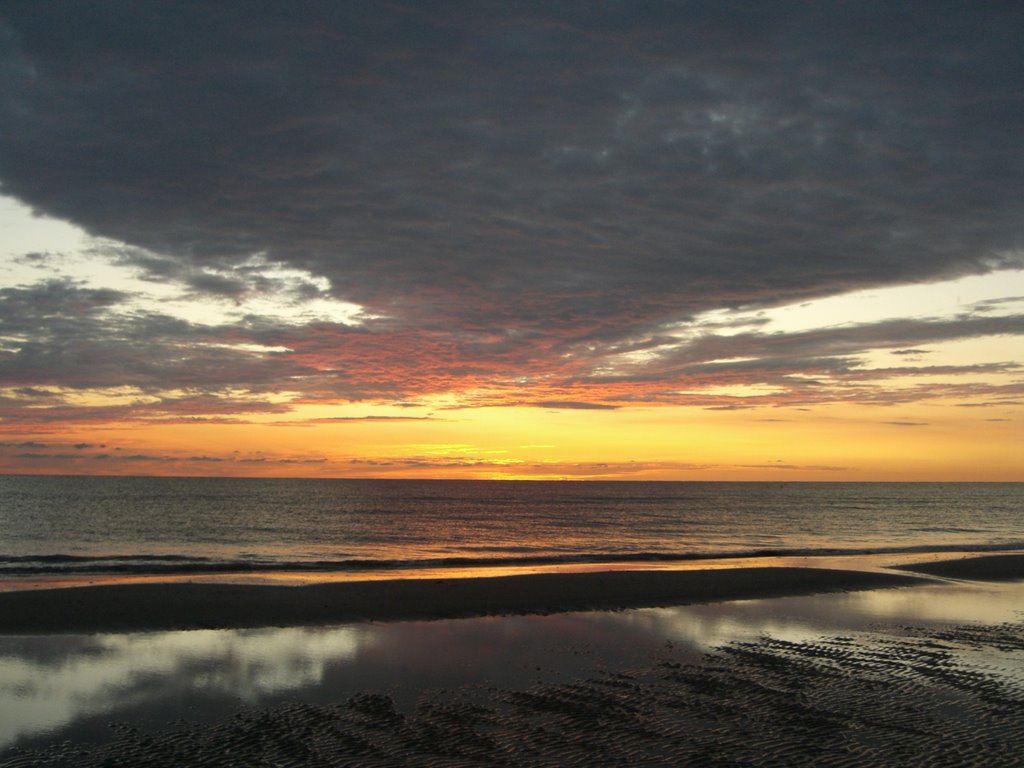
point(76, 526)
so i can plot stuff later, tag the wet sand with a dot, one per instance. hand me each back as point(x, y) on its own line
point(985, 568)
point(166, 606)
point(899, 698)
point(889, 696)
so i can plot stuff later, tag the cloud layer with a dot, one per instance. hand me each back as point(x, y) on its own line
point(526, 200)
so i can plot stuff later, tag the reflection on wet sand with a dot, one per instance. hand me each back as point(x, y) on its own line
point(47, 682)
point(51, 684)
point(806, 618)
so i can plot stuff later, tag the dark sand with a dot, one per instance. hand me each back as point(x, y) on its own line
point(898, 697)
point(902, 698)
point(985, 568)
point(166, 606)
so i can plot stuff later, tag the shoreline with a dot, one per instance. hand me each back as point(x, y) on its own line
point(182, 605)
point(188, 605)
point(983, 567)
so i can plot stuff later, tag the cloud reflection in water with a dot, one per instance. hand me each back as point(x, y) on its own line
point(53, 684)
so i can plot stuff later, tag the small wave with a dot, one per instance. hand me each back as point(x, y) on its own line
point(105, 558)
point(143, 564)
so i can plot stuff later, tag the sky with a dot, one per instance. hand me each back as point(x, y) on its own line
point(583, 240)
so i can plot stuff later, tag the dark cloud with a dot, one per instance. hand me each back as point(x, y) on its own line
point(828, 350)
point(990, 305)
point(806, 467)
point(581, 470)
point(33, 445)
point(573, 405)
point(993, 403)
point(44, 456)
point(932, 370)
point(34, 393)
point(246, 278)
point(24, 307)
point(35, 258)
point(39, 457)
point(353, 420)
point(532, 201)
point(61, 334)
point(344, 419)
point(59, 338)
point(139, 457)
point(491, 166)
point(165, 410)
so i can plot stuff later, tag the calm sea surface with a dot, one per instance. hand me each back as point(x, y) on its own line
point(63, 526)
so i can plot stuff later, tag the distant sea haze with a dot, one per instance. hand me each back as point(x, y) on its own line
point(54, 526)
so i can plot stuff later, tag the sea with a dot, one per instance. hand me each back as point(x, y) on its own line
point(75, 527)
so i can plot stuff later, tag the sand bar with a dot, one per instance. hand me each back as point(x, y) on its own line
point(164, 606)
point(985, 568)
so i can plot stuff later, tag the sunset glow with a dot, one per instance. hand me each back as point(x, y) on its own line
point(752, 260)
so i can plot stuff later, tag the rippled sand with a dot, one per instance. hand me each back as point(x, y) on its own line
point(937, 697)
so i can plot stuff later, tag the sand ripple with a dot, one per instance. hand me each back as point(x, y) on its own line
point(917, 697)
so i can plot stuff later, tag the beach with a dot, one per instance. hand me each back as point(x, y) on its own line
point(986, 567)
point(896, 692)
point(162, 606)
